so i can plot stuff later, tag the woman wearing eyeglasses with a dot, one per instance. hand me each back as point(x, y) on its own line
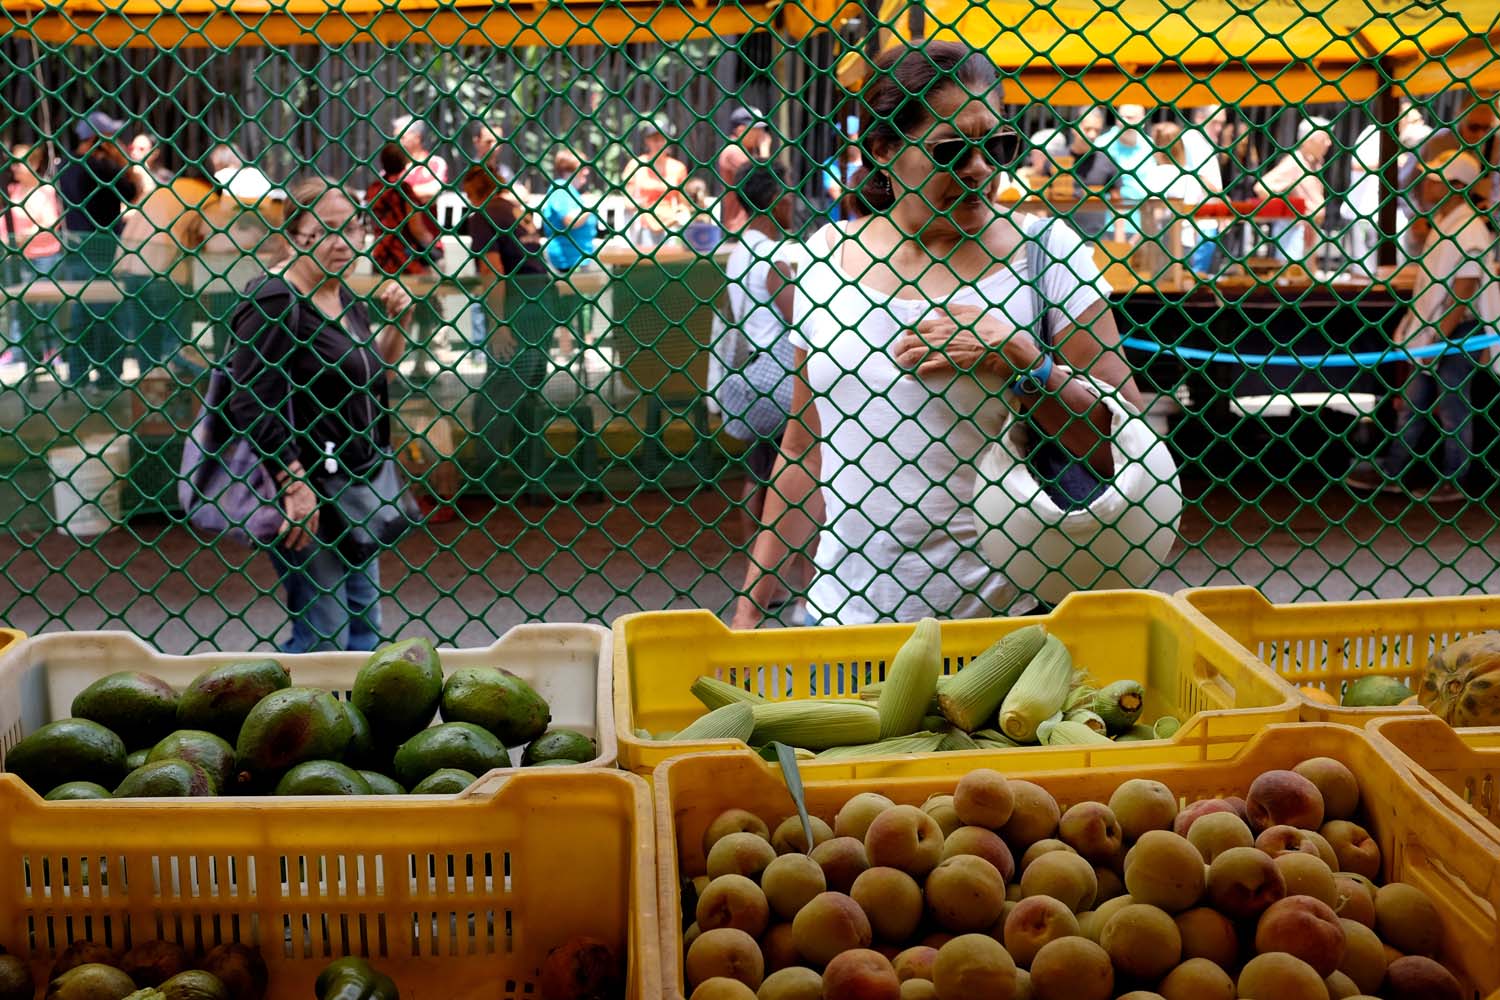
point(308, 387)
point(918, 338)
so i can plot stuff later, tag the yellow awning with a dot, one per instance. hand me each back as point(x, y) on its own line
point(225, 23)
point(1195, 52)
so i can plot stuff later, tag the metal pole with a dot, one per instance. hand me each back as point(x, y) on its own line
point(1386, 113)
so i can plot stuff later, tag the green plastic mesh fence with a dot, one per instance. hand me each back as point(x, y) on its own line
point(465, 314)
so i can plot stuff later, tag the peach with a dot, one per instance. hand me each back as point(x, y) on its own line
point(860, 974)
point(725, 952)
point(905, 837)
point(1045, 846)
point(1072, 968)
point(831, 923)
point(1340, 986)
point(1033, 817)
point(1140, 995)
point(721, 988)
point(1336, 783)
point(936, 939)
point(1284, 798)
point(1091, 922)
point(983, 798)
point(790, 882)
point(854, 819)
point(1279, 840)
point(789, 838)
point(1243, 882)
point(744, 854)
point(733, 901)
point(1306, 875)
point(1063, 876)
point(842, 859)
point(690, 935)
point(1207, 933)
point(779, 946)
point(974, 965)
point(1111, 884)
point(892, 901)
point(1034, 922)
point(1197, 979)
point(1193, 811)
point(1304, 927)
point(918, 989)
point(1165, 870)
point(1142, 941)
point(965, 893)
point(1364, 956)
point(1141, 804)
point(982, 843)
point(792, 983)
point(734, 821)
point(1355, 849)
point(1354, 899)
point(1279, 976)
point(1091, 829)
point(915, 963)
point(940, 808)
point(1218, 832)
point(1406, 920)
point(1416, 977)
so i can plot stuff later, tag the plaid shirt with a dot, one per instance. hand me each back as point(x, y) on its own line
point(392, 206)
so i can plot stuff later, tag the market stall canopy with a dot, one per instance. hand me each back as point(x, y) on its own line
point(171, 24)
point(1199, 52)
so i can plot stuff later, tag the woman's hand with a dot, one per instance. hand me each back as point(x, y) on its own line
point(300, 505)
point(965, 339)
point(394, 300)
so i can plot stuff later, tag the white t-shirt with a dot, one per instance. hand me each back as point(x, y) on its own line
point(753, 372)
point(1459, 246)
point(899, 452)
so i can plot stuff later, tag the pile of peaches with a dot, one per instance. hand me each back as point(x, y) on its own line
point(996, 892)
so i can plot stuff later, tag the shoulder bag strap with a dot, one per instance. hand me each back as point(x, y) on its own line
point(1037, 254)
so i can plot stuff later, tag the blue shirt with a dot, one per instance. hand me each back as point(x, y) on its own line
point(836, 171)
point(1131, 160)
point(568, 246)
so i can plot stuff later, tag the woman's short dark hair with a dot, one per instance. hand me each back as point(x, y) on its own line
point(761, 185)
point(393, 159)
point(897, 98)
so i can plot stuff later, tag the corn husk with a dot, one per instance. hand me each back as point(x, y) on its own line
point(970, 697)
point(911, 682)
point(1039, 693)
point(715, 693)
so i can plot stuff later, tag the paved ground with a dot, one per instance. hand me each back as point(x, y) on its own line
point(600, 560)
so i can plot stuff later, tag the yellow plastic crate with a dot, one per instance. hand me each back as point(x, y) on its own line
point(9, 637)
point(1323, 644)
point(461, 898)
point(1461, 767)
point(1421, 842)
point(1222, 696)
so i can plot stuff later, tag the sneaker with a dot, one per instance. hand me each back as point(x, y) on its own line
point(1369, 477)
point(1446, 491)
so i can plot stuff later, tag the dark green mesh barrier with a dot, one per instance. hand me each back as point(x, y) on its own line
point(564, 428)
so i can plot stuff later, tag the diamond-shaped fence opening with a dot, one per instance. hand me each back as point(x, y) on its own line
point(328, 328)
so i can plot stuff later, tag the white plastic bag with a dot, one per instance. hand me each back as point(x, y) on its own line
point(1122, 539)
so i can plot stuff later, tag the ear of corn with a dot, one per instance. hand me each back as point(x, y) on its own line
point(815, 725)
point(1119, 704)
point(956, 739)
point(871, 693)
point(1039, 693)
point(715, 693)
point(911, 681)
point(995, 736)
point(934, 724)
point(1137, 733)
point(735, 721)
point(970, 697)
point(1080, 695)
point(1087, 717)
point(917, 743)
point(1166, 727)
point(1067, 733)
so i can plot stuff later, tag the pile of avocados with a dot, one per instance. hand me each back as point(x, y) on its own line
point(246, 729)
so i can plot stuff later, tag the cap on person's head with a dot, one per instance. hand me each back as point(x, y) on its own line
point(1458, 168)
point(1131, 114)
point(1312, 125)
point(746, 117)
point(96, 123)
point(650, 127)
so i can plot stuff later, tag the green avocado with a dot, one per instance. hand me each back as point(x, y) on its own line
point(175, 779)
point(498, 701)
point(361, 752)
point(218, 699)
point(452, 744)
point(68, 750)
point(380, 784)
point(137, 707)
point(242, 970)
point(354, 979)
point(15, 979)
point(202, 748)
point(136, 758)
point(448, 781)
point(398, 690)
point(194, 984)
point(94, 981)
point(558, 746)
point(289, 727)
point(70, 791)
point(1373, 691)
point(323, 777)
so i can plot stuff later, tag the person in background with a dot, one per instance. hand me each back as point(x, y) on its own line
point(145, 154)
point(33, 212)
point(427, 172)
point(406, 238)
point(1200, 142)
point(1130, 152)
point(228, 168)
point(653, 183)
point(1363, 200)
point(489, 138)
point(96, 185)
point(1169, 176)
point(309, 386)
point(502, 241)
point(571, 228)
point(749, 139)
point(839, 171)
point(1297, 176)
point(1456, 295)
point(702, 231)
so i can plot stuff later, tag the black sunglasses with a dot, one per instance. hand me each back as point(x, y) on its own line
point(1001, 147)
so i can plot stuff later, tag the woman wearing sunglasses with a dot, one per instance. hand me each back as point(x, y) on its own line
point(918, 338)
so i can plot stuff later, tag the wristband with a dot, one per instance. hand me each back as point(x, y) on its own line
point(1034, 381)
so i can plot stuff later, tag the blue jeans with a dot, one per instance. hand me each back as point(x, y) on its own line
point(1202, 259)
point(93, 338)
point(26, 319)
point(1439, 393)
point(155, 310)
point(333, 605)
